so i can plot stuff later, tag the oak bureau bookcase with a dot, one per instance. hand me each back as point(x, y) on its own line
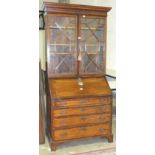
point(79, 97)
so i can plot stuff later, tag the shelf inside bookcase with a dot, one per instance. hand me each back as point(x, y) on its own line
point(72, 45)
point(63, 53)
point(80, 46)
point(73, 28)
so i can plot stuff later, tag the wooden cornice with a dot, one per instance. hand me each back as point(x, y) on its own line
point(49, 5)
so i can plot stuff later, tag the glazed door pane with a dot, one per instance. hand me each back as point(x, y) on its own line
point(62, 45)
point(91, 45)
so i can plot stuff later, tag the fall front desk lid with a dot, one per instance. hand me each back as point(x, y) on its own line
point(82, 87)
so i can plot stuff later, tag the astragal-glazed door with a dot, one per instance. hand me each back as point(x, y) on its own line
point(62, 45)
point(91, 45)
point(75, 45)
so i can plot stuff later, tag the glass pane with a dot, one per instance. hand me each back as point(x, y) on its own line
point(92, 45)
point(62, 47)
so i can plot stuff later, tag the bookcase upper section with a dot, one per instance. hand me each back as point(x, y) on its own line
point(75, 40)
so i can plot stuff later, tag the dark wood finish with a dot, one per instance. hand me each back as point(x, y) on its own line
point(79, 98)
point(41, 108)
point(41, 128)
point(50, 6)
point(110, 138)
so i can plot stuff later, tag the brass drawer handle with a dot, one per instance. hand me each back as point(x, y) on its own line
point(101, 129)
point(82, 109)
point(100, 118)
point(62, 122)
point(83, 128)
point(105, 100)
point(62, 103)
point(102, 109)
point(62, 112)
point(82, 102)
point(63, 134)
point(101, 100)
point(83, 118)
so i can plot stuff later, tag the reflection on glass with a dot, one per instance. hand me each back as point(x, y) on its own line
point(62, 45)
point(92, 45)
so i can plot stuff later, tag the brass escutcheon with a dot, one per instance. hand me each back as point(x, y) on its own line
point(83, 118)
point(63, 134)
point(100, 117)
point(82, 102)
point(83, 128)
point(102, 109)
point(101, 129)
point(82, 109)
point(101, 100)
point(62, 112)
point(62, 122)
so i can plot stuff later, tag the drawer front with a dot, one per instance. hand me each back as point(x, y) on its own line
point(82, 110)
point(81, 120)
point(81, 132)
point(82, 102)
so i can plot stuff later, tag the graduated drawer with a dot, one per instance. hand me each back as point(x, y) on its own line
point(81, 132)
point(81, 110)
point(81, 120)
point(82, 102)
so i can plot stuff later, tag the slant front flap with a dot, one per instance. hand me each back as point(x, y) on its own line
point(66, 88)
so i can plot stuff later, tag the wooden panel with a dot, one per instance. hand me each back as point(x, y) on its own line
point(82, 111)
point(82, 102)
point(49, 6)
point(76, 12)
point(81, 132)
point(81, 120)
point(65, 88)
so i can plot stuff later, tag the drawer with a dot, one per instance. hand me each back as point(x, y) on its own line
point(81, 132)
point(81, 120)
point(82, 111)
point(82, 102)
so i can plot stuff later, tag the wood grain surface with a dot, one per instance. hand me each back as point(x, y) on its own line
point(91, 101)
point(86, 131)
point(81, 120)
point(64, 88)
